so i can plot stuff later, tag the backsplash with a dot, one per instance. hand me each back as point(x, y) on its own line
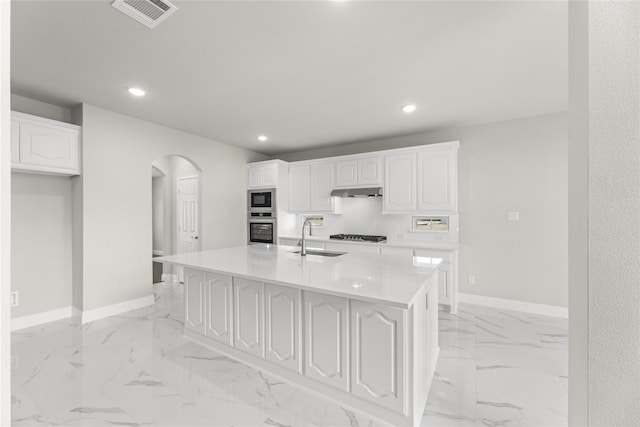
point(364, 216)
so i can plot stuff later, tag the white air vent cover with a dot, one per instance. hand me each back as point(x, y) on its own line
point(147, 12)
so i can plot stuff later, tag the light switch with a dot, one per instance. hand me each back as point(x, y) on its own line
point(513, 216)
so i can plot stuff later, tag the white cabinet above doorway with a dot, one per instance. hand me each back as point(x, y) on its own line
point(46, 146)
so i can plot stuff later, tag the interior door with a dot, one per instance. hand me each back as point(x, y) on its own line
point(187, 216)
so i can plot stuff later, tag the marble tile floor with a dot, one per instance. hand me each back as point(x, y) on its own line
point(496, 368)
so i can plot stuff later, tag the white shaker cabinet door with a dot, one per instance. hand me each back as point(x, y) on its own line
point(321, 184)
point(346, 173)
point(369, 171)
point(282, 326)
point(255, 176)
point(248, 321)
point(377, 355)
point(270, 175)
point(437, 181)
point(400, 183)
point(326, 339)
point(49, 146)
point(218, 291)
point(299, 188)
point(194, 318)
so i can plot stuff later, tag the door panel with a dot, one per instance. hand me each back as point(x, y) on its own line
point(399, 183)
point(42, 145)
point(326, 339)
point(346, 173)
point(435, 191)
point(377, 359)
point(282, 327)
point(248, 322)
point(218, 307)
point(369, 171)
point(187, 217)
point(321, 179)
point(194, 300)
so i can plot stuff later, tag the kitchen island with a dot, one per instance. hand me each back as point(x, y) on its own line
point(360, 329)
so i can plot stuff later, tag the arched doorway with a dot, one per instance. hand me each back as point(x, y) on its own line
point(176, 190)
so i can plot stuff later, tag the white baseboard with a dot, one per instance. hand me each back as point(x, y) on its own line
point(22, 322)
point(166, 277)
point(507, 304)
point(112, 310)
point(156, 252)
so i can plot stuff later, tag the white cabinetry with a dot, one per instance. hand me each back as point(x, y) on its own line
point(263, 174)
point(282, 326)
point(400, 182)
point(447, 275)
point(321, 184)
point(326, 343)
point(218, 291)
point(310, 186)
point(437, 181)
point(194, 300)
point(355, 172)
point(422, 180)
point(378, 352)
point(248, 319)
point(44, 146)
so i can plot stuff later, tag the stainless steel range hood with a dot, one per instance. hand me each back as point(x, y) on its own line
point(357, 192)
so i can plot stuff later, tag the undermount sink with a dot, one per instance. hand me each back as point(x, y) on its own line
point(320, 252)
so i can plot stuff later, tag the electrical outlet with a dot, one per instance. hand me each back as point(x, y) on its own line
point(472, 280)
point(14, 299)
point(513, 216)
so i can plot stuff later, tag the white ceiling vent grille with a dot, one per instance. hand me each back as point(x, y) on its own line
point(147, 12)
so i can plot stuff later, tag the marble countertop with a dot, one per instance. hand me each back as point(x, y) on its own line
point(386, 279)
point(444, 246)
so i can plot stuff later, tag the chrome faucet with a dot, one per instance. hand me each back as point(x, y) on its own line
point(303, 250)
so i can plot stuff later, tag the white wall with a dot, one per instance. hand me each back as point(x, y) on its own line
point(116, 198)
point(5, 212)
point(604, 349)
point(517, 165)
point(40, 109)
point(41, 242)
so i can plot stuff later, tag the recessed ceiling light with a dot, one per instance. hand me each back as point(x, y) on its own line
point(136, 91)
point(409, 108)
point(262, 138)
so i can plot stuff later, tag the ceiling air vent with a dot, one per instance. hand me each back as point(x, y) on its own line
point(147, 12)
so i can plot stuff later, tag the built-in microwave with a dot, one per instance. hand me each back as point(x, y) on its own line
point(262, 229)
point(262, 200)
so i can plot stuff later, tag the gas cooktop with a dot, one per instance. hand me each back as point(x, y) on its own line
point(358, 237)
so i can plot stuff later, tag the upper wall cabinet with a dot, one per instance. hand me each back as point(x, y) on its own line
point(366, 171)
point(264, 174)
point(422, 180)
point(310, 186)
point(44, 146)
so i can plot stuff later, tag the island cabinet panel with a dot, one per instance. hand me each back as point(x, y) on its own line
point(326, 339)
point(282, 326)
point(194, 318)
point(218, 291)
point(248, 323)
point(377, 355)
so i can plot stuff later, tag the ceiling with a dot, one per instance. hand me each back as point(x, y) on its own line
point(305, 73)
